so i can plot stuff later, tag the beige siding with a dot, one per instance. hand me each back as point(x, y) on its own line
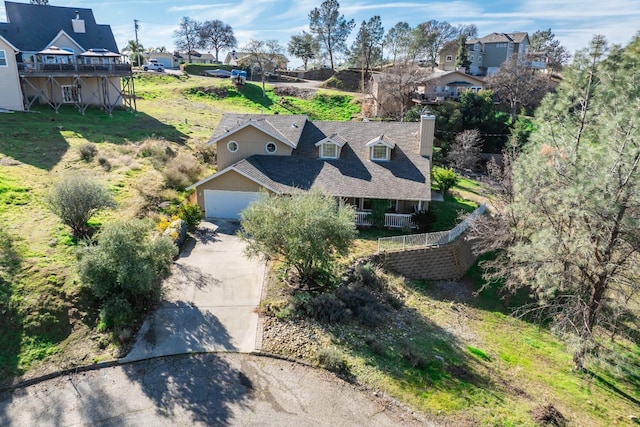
point(90, 90)
point(230, 181)
point(10, 92)
point(63, 41)
point(250, 141)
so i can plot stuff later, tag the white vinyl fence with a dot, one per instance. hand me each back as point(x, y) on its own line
point(428, 239)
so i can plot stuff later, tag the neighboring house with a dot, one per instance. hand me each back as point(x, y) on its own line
point(356, 162)
point(447, 56)
point(391, 92)
point(448, 85)
point(240, 58)
point(487, 54)
point(167, 59)
point(60, 55)
point(200, 58)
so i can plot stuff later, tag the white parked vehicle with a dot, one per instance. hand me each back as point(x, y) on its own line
point(153, 65)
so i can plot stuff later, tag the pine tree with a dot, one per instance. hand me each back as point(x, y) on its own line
point(576, 208)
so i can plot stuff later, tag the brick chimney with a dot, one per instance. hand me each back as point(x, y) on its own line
point(427, 130)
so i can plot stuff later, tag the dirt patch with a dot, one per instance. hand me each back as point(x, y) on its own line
point(292, 91)
point(548, 416)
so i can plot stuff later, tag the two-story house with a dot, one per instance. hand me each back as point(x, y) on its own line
point(487, 54)
point(60, 55)
point(354, 161)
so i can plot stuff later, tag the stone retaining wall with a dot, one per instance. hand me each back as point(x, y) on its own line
point(445, 262)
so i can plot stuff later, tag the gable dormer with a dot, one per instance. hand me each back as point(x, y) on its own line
point(380, 148)
point(329, 147)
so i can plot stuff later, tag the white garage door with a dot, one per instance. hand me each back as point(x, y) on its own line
point(227, 204)
point(166, 62)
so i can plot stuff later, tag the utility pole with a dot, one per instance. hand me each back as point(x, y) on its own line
point(136, 27)
point(135, 53)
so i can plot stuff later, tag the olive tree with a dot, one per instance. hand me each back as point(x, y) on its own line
point(76, 198)
point(125, 268)
point(306, 231)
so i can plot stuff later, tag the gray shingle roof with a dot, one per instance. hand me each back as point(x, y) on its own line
point(31, 27)
point(290, 127)
point(405, 177)
point(516, 37)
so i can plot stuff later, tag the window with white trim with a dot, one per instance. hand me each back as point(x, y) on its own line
point(69, 94)
point(471, 58)
point(232, 146)
point(270, 147)
point(379, 152)
point(449, 58)
point(3, 58)
point(329, 150)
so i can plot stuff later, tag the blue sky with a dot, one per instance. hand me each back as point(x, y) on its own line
point(573, 21)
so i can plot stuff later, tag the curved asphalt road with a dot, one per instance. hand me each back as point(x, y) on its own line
point(201, 390)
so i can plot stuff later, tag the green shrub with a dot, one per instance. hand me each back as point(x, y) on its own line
point(334, 82)
point(305, 230)
point(191, 214)
point(327, 308)
point(116, 312)
point(444, 178)
point(413, 114)
point(379, 208)
point(75, 199)
point(88, 151)
point(333, 360)
point(423, 220)
point(126, 263)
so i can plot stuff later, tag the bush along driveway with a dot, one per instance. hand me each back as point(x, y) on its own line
point(211, 299)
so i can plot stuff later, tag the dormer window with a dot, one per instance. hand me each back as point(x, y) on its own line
point(380, 148)
point(380, 152)
point(329, 150)
point(330, 146)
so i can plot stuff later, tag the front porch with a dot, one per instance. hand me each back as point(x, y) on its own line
point(397, 213)
point(391, 220)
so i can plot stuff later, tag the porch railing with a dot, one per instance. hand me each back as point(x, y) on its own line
point(428, 239)
point(391, 220)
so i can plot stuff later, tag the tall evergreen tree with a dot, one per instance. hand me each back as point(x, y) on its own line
point(367, 47)
point(331, 28)
point(462, 57)
point(575, 236)
point(398, 40)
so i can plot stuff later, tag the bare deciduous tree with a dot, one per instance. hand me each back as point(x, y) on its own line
point(465, 151)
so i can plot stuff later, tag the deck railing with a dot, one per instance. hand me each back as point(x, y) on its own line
point(73, 68)
point(428, 239)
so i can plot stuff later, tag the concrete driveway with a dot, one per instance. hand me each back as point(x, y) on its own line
point(211, 299)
